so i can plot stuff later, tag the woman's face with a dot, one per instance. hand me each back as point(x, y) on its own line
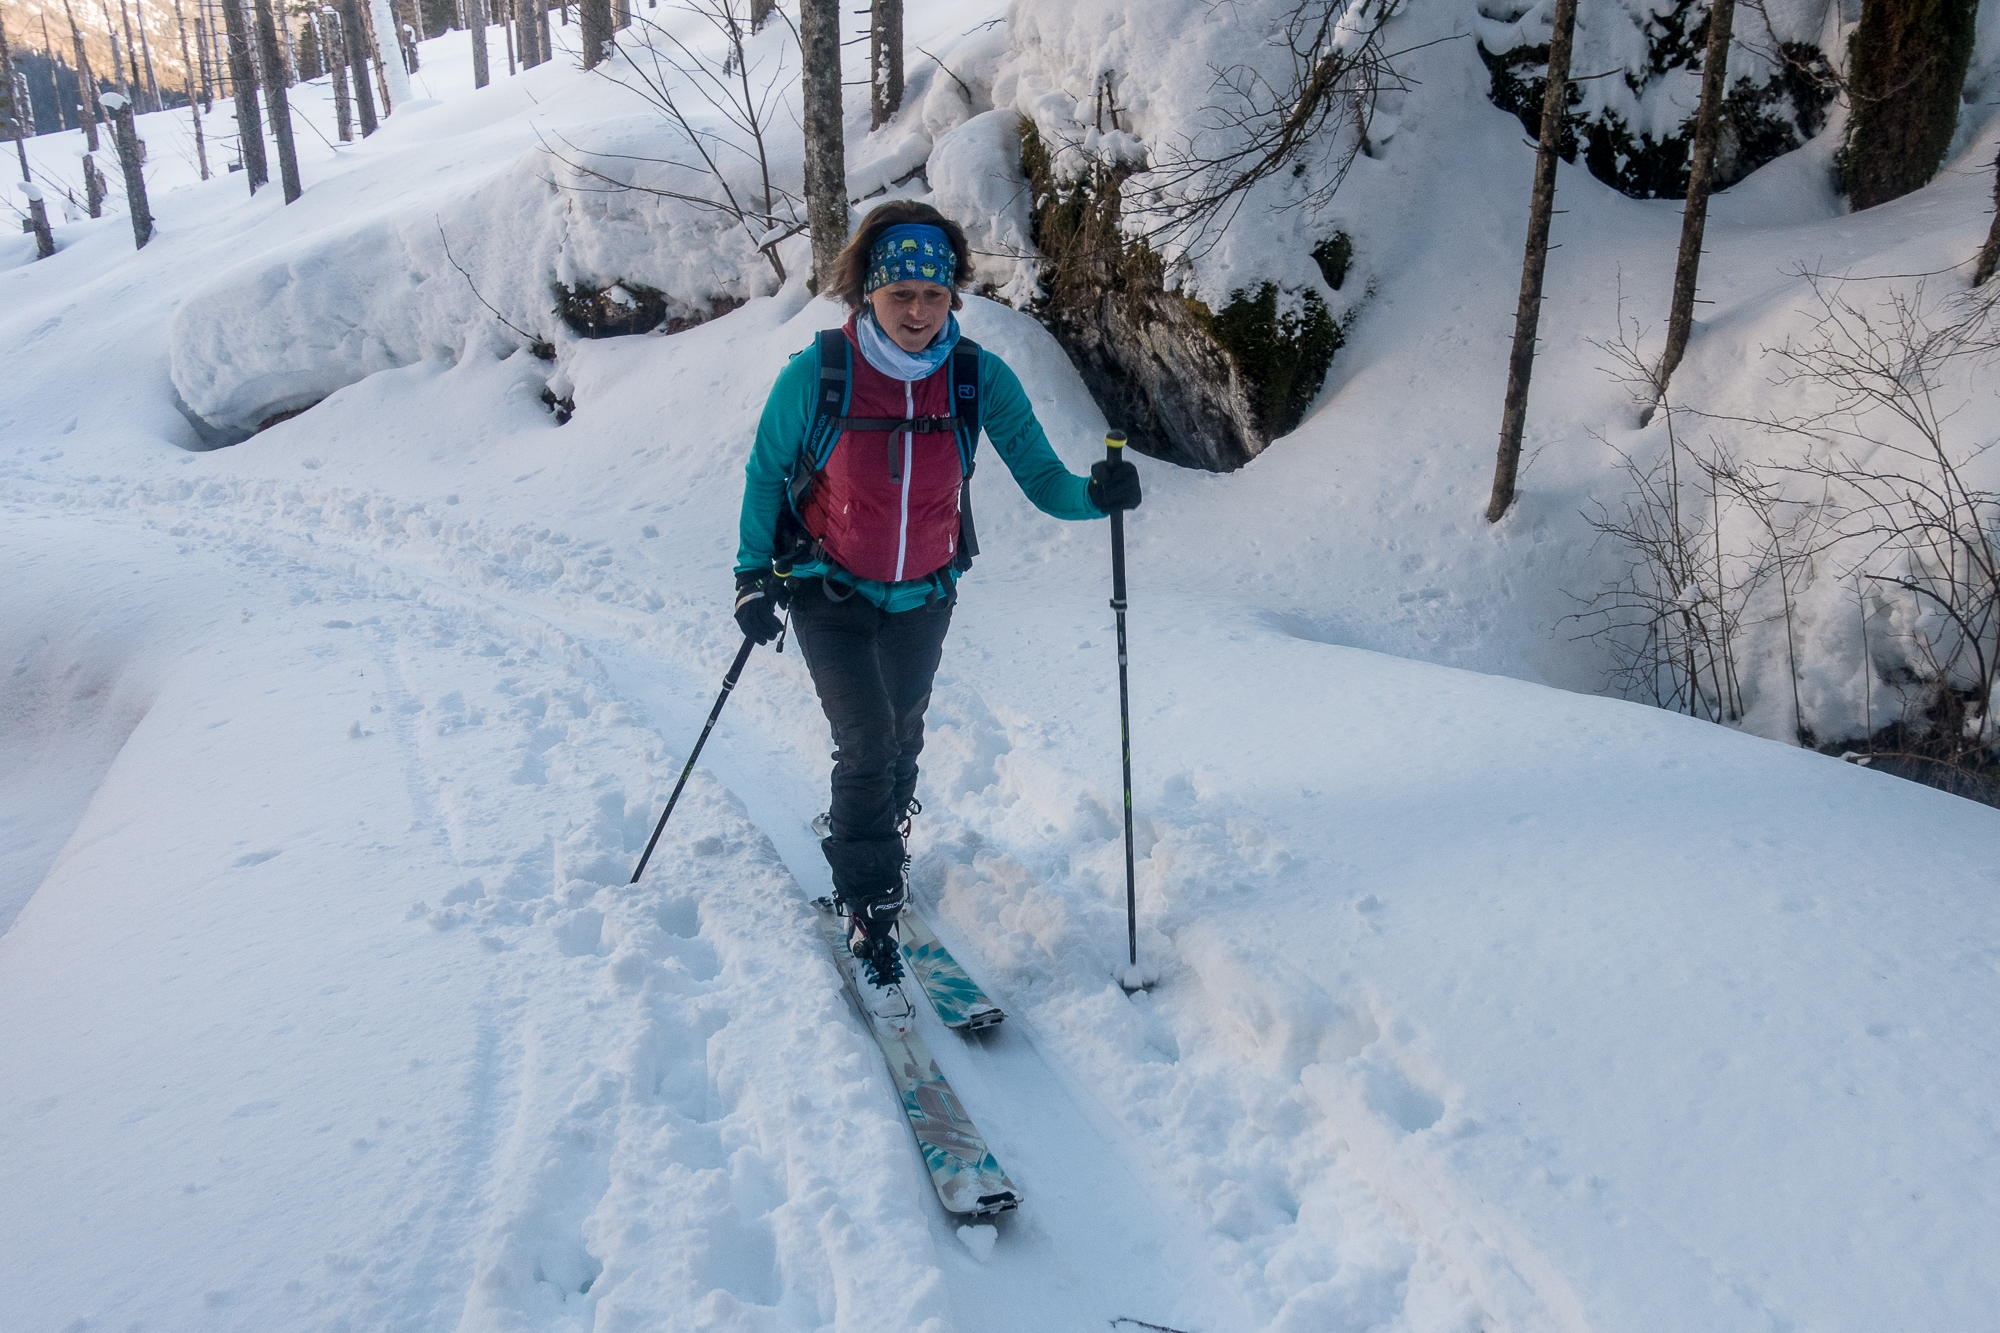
point(911, 312)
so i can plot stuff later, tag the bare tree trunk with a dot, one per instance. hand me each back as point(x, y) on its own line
point(281, 105)
point(93, 111)
point(357, 61)
point(146, 48)
point(475, 18)
point(55, 72)
point(525, 35)
point(1528, 314)
point(760, 13)
point(201, 56)
point(1989, 254)
point(1701, 176)
point(128, 158)
point(249, 121)
point(409, 34)
point(336, 64)
point(389, 56)
point(138, 84)
point(117, 61)
point(507, 26)
point(187, 81)
point(543, 38)
point(885, 62)
point(621, 15)
point(93, 187)
point(826, 151)
point(291, 51)
point(595, 19)
point(38, 213)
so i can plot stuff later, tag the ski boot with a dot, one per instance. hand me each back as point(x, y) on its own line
point(878, 958)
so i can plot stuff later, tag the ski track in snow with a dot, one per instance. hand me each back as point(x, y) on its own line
point(666, 1116)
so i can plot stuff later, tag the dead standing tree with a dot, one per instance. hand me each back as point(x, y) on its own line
point(475, 19)
point(17, 117)
point(249, 119)
point(885, 61)
point(280, 105)
point(187, 83)
point(1534, 263)
point(826, 149)
point(120, 107)
point(93, 111)
point(333, 40)
point(357, 63)
point(594, 17)
point(744, 97)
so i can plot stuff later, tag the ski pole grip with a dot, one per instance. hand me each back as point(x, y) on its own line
point(1114, 451)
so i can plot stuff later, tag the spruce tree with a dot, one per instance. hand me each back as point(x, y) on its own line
point(1906, 69)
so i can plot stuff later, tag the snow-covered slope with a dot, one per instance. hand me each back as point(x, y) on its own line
point(1481, 1004)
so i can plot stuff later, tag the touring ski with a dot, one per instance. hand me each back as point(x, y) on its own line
point(956, 997)
point(969, 1182)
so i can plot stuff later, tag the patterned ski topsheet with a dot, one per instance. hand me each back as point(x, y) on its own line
point(956, 997)
point(968, 1180)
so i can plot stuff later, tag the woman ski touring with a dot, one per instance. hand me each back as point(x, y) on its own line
point(856, 515)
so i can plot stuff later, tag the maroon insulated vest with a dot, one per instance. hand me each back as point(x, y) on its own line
point(885, 503)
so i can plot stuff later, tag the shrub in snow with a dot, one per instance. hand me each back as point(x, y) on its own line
point(1636, 80)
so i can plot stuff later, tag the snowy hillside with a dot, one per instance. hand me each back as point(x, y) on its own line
point(1484, 1002)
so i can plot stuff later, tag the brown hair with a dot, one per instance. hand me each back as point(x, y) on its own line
point(850, 271)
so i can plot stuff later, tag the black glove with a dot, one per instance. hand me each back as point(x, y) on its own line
point(759, 594)
point(1114, 486)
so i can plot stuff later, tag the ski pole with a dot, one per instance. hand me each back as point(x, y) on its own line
point(728, 684)
point(1114, 446)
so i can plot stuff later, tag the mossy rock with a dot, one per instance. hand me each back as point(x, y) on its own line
point(1282, 357)
point(1188, 385)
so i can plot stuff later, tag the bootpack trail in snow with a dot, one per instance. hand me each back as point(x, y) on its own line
point(1099, 1237)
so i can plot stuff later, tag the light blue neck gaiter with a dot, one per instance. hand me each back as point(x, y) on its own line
point(893, 361)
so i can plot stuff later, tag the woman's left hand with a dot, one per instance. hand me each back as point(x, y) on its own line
point(1114, 486)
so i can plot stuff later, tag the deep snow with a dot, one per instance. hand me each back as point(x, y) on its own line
point(1482, 1004)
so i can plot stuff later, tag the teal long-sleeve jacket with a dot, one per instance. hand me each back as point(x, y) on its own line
point(1009, 422)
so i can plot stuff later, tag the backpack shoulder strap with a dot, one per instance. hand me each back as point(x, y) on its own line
point(836, 390)
point(830, 401)
point(964, 384)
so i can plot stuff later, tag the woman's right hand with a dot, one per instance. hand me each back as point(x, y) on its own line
point(757, 601)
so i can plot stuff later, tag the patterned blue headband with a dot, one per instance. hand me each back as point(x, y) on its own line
point(911, 250)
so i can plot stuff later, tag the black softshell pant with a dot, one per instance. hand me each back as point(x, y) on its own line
point(873, 670)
